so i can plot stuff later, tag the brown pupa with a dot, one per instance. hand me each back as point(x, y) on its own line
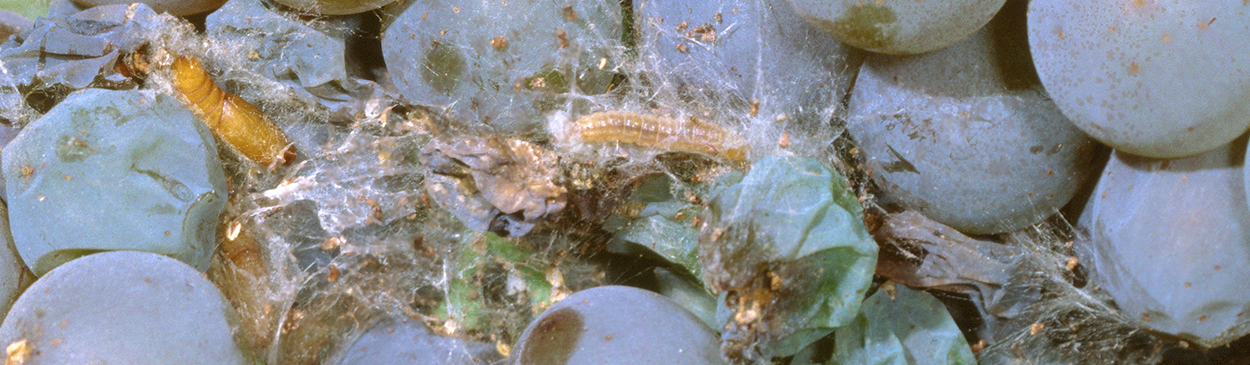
point(235, 121)
point(663, 133)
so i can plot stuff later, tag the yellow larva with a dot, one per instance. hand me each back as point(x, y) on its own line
point(663, 133)
point(235, 121)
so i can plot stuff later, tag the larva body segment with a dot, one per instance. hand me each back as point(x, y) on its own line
point(659, 132)
point(235, 121)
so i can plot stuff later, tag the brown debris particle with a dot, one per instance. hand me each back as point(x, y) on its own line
point(681, 47)
point(499, 42)
point(1134, 68)
point(503, 348)
point(681, 27)
point(755, 107)
point(569, 13)
point(333, 275)
point(1035, 328)
point(709, 36)
point(17, 353)
point(705, 32)
point(1072, 262)
point(331, 243)
point(775, 282)
point(977, 347)
point(564, 40)
point(26, 171)
point(718, 17)
point(538, 83)
point(784, 142)
point(1204, 26)
point(890, 289)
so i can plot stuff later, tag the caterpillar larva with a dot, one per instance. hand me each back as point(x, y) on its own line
point(652, 131)
point(235, 121)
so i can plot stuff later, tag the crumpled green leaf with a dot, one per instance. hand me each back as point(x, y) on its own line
point(656, 220)
point(786, 249)
point(903, 327)
point(527, 277)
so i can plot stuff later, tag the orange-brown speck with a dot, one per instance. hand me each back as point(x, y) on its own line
point(1134, 68)
point(1204, 25)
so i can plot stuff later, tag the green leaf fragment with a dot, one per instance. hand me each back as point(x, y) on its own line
point(786, 247)
point(466, 303)
point(911, 328)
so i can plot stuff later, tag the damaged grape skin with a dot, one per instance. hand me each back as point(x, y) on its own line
point(235, 121)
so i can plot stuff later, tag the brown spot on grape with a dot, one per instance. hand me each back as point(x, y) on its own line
point(444, 65)
point(863, 26)
point(554, 338)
